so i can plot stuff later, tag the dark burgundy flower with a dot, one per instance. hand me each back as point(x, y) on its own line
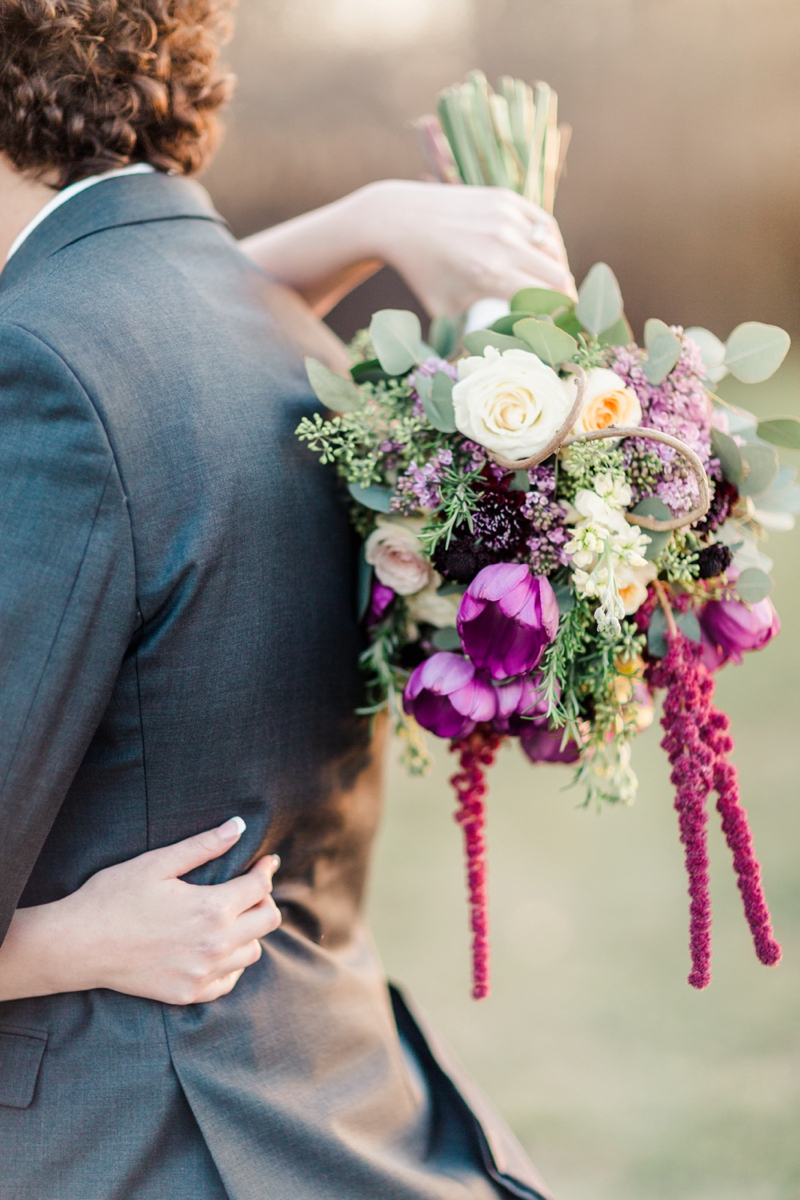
point(713, 560)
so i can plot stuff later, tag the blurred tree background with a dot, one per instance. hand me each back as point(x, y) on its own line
point(684, 175)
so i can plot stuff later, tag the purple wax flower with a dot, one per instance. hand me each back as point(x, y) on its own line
point(507, 618)
point(731, 628)
point(541, 745)
point(448, 696)
point(380, 600)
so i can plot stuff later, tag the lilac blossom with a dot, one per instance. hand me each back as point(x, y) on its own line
point(679, 405)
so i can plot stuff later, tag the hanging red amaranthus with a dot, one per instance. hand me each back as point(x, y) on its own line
point(697, 742)
point(475, 752)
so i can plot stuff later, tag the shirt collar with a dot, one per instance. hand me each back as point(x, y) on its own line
point(68, 192)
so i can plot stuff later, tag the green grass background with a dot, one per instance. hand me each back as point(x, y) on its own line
point(621, 1081)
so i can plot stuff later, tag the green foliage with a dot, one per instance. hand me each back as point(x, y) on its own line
point(386, 682)
point(353, 441)
point(754, 351)
point(590, 353)
point(583, 462)
point(459, 501)
point(599, 300)
point(677, 562)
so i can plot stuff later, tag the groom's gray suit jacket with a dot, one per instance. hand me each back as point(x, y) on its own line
point(177, 645)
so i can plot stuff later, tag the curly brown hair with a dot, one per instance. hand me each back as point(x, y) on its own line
point(89, 85)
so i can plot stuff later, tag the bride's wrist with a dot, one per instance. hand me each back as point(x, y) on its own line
point(40, 955)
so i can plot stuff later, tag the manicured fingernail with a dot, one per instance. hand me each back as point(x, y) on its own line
point(232, 829)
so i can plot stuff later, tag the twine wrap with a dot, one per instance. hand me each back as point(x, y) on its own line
point(565, 438)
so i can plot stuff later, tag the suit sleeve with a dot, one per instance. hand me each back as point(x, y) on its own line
point(67, 593)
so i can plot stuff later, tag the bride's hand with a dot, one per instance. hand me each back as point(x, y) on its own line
point(452, 245)
point(455, 245)
point(138, 928)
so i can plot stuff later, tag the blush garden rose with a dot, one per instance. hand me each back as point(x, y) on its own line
point(511, 403)
point(394, 550)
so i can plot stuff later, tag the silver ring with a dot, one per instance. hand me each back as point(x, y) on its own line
point(538, 234)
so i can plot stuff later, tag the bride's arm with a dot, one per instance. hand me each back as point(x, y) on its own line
point(138, 928)
point(453, 245)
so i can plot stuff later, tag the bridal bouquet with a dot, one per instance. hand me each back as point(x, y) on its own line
point(556, 523)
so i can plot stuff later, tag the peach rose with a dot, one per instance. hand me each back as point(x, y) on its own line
point(608, 401)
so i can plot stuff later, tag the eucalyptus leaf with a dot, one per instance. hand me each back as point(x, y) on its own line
point(753, 585)
point(363, 585)
point(754, 351)
point(370, 371)
point(397, 337)
point(335, 391)
point(653, 327)
point(781, 431)
point(547, 341)
point(618, 334)
point(477, 342)
point(445, 334)
point(506, 323)
point(599, 299)
point(451, 589)
point(521, 481)
point(729, 455)
point(689, 625)
point(536, 301)
point(565, 597)
point(665, 350)
point(657, 632)
point(446, 638)
point(375, 497)
point(712, 351)
point(568, 321)
point(654, 506)
point(785, 499)
point(762, 467)
point(438, 403)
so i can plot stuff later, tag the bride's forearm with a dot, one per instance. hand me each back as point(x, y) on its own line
point(34, 958)
point(322, 254)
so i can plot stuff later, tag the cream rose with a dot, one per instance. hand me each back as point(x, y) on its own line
point(430, 608)
point(394, 550)
point(607, 401)
point(511, 403)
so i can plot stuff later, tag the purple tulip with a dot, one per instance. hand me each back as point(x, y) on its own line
point(506, 619)
point(542, 745)
point(382, 596)
point(519, 700)
point(448, 696)
point(731, 628)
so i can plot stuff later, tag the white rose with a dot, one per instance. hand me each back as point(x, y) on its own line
point(430, 608)
point(607, 401)
point(511, 403)
point(395, 551)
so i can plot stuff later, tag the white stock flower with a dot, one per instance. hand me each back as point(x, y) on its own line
point(511, 403)
point(396, 553)
point(607, 556)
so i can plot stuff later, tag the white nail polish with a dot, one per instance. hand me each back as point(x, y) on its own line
point(234, 827)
